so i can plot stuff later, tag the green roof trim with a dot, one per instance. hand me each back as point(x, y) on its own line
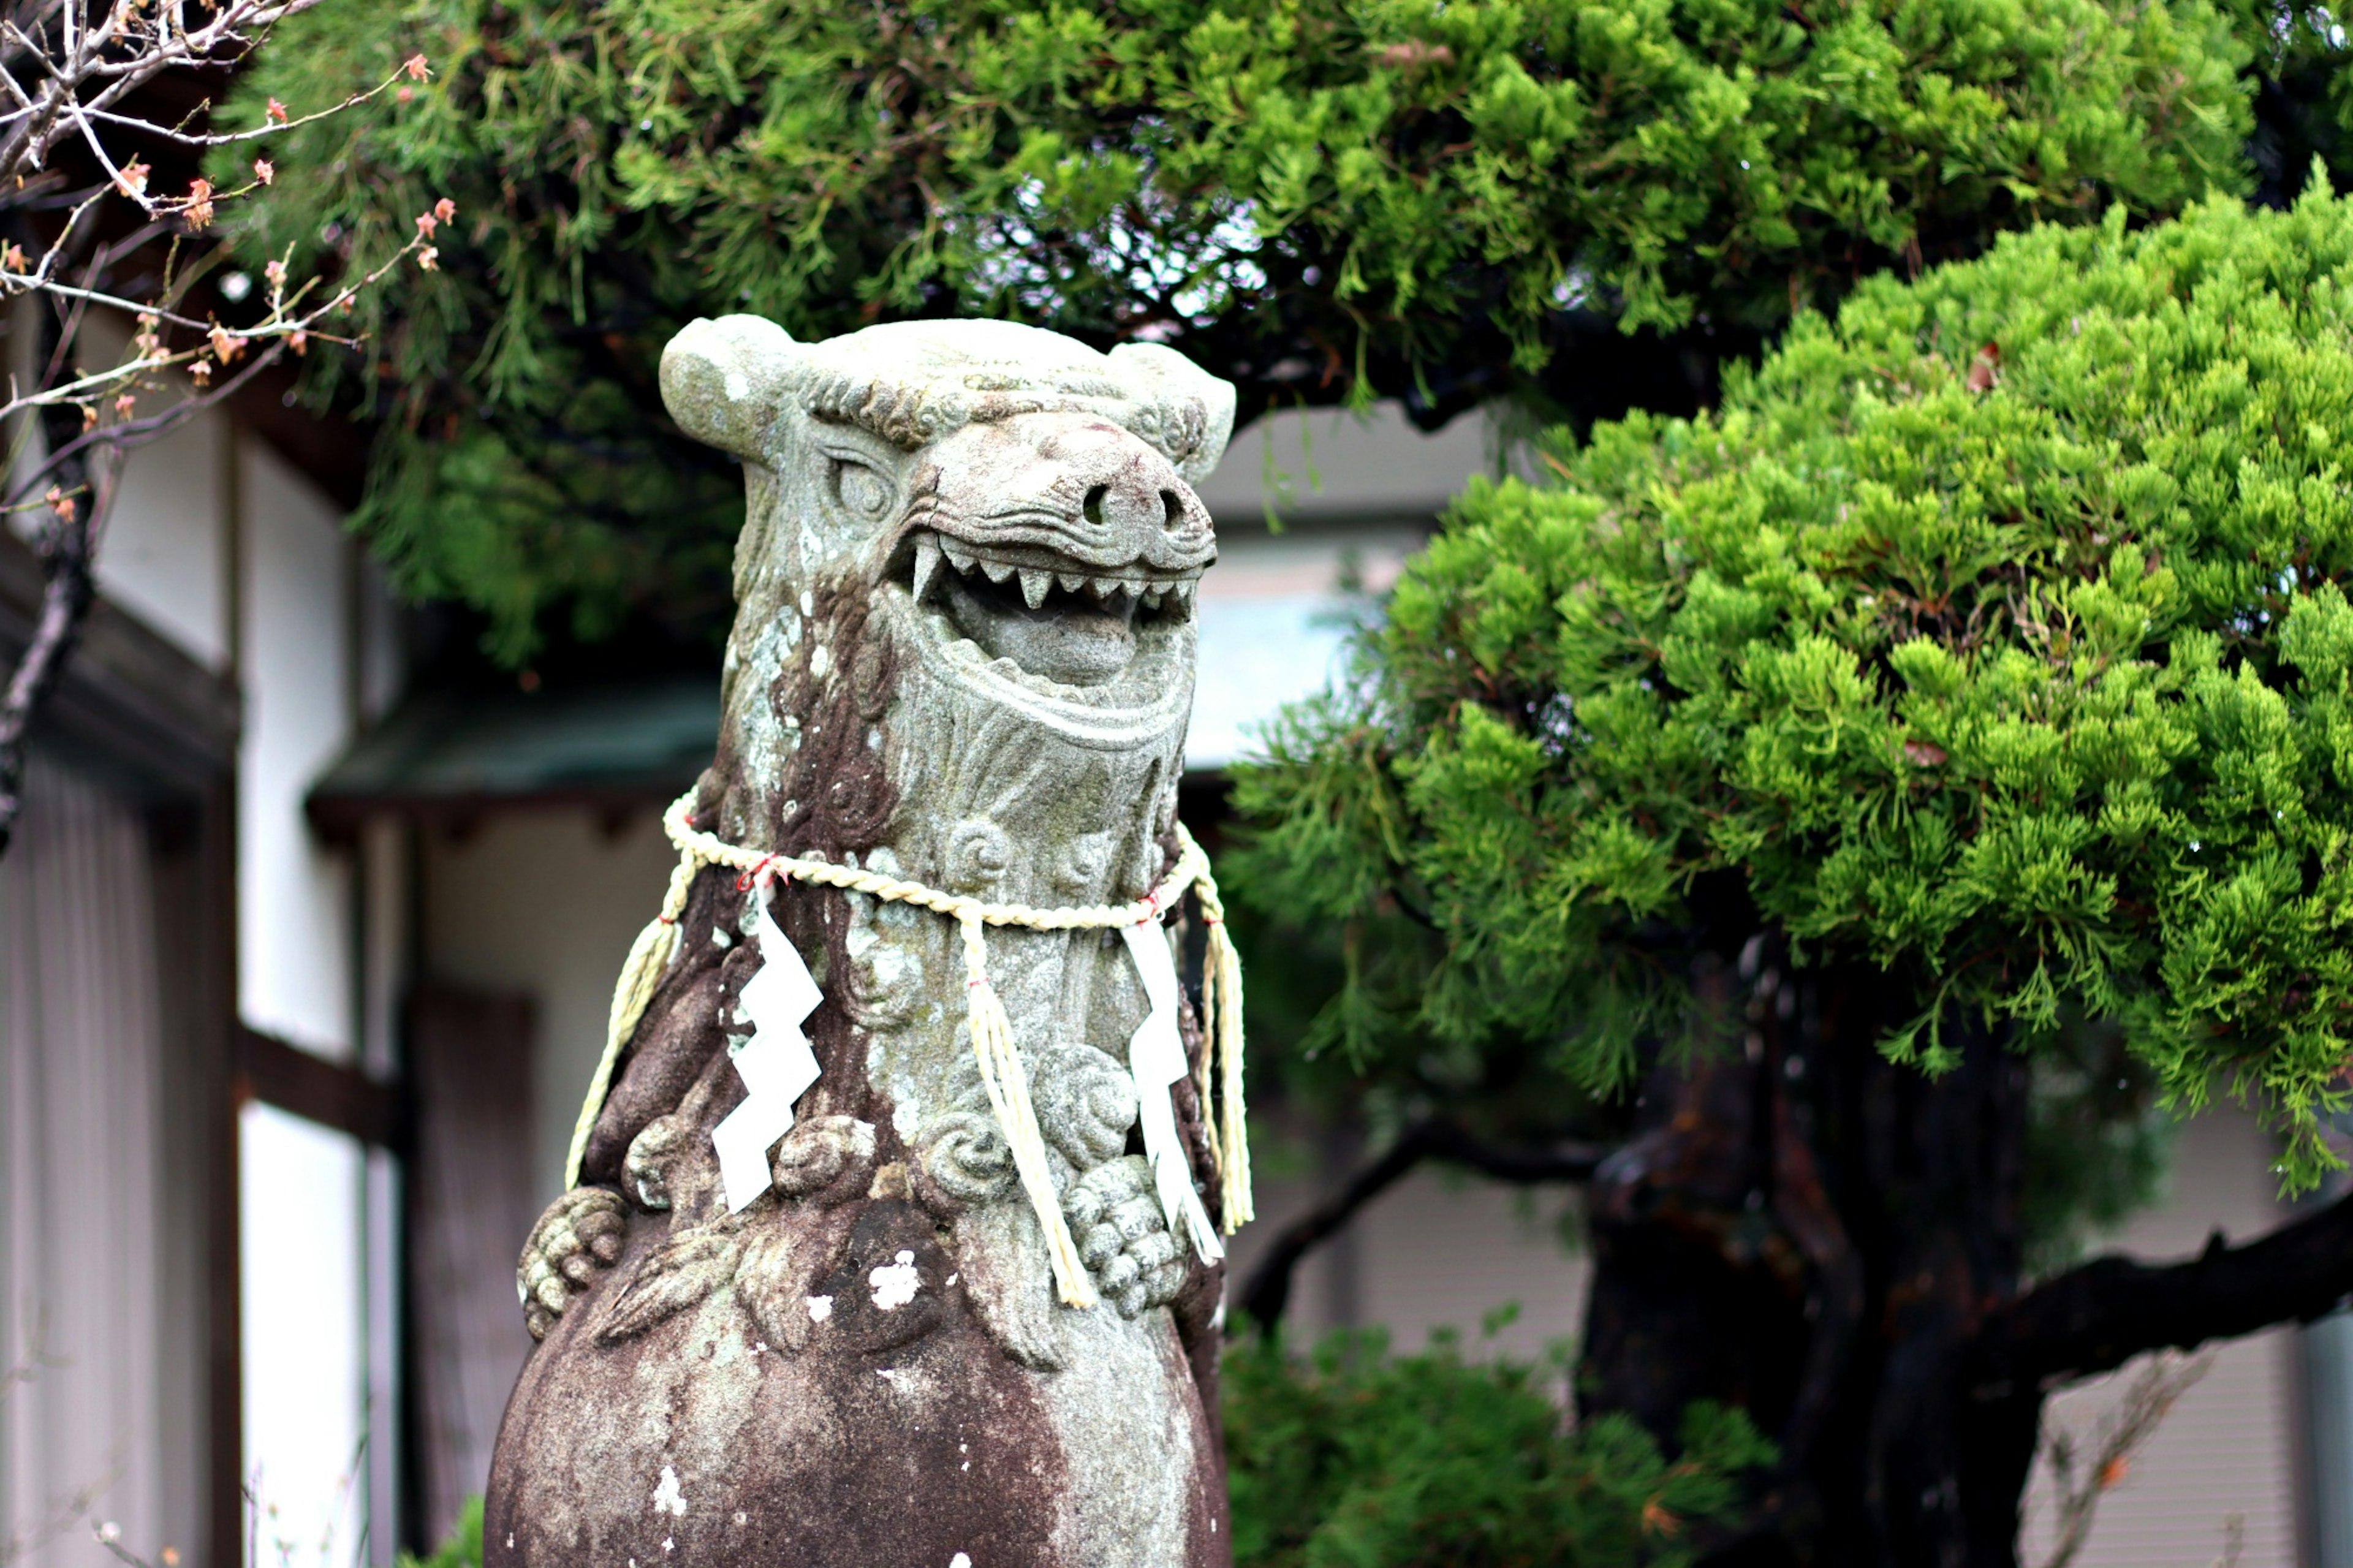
point(450, 756)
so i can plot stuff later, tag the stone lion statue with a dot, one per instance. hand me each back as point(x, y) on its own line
point(963, 655)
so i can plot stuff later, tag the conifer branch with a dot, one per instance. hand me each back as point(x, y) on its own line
point(2099, 1315)
point(1268, 1289)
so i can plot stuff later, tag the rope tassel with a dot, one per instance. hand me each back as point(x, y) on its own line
point(1009, 1095)
point(641, 971)
point(1218, 1078)
point(1222, 1003)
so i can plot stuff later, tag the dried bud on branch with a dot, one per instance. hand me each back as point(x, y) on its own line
point(77, 83)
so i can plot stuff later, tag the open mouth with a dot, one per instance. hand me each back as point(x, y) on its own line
point(1052, 623)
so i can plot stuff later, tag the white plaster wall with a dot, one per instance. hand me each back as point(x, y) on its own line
point(295, 934)
point(546, 904)
point(301, 1195)
point(164, 553)
point(1273, 618)
point(166, 558)
point(303, 1216)
point(1327, 464)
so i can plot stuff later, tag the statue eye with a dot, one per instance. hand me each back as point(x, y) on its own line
point(860, 487)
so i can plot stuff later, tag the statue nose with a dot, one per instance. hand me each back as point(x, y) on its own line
point(1129, 492)
point(1134, 503)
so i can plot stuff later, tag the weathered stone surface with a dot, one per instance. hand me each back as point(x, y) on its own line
point(963, 653)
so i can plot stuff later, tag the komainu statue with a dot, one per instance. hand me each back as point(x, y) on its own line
point(895, 1241)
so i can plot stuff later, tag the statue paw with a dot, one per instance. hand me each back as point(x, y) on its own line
point(578, 1236)
point(1123, 1237)
point(652, 1153)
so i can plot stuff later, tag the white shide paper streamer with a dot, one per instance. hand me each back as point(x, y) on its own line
point(776, 1063)
point(1155, 1055)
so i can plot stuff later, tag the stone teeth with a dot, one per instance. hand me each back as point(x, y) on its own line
point(927, 566)
point(960, 559)
point(1152, 598)
point(1183, 591)
point(998, 571)
point(1071, 581)
point(1034, 585)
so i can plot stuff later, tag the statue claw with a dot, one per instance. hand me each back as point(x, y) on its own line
point(1123, 1237)
point(578, 1237)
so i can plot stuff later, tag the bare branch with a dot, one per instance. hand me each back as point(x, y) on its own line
point(229, 138)
point(69, 70)
point(1268, 1293)
point(2121, 1434)
point(68, 585)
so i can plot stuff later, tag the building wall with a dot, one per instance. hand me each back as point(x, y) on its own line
point(101, 1413)
point(166, 556)
point(545, 904)
point(1328, 467)
point(220, 545)
point(304, 1203)
point(1440, 1250)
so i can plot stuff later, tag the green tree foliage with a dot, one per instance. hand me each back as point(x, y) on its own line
point(1323, 198)
point(1994, 634)
point(463, 1549)
point(1355, 1458)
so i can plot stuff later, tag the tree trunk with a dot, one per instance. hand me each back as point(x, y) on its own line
point(1804, 1229)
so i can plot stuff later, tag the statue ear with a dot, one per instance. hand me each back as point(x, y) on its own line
point(724, 380)
point(1178, 379)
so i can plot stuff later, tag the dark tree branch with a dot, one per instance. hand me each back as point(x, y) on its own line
point(68, 550)
point(2102, 1314)
point(68, 585)
point(1268, 1289)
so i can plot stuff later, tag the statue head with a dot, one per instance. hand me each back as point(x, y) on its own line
point(951, 527)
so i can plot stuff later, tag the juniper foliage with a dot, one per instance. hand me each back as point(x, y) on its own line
point(1324, 198)
point(1995, 633)
point(1353, 1456)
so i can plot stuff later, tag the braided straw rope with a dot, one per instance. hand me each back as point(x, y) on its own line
point(992, 1032)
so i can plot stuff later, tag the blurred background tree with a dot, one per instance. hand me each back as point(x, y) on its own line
point(1850, 712)
point(1587, 207)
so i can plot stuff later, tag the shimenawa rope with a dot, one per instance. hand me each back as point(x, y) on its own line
point(992, 1032)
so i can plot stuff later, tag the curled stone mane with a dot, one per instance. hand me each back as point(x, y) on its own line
point(943, 375)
